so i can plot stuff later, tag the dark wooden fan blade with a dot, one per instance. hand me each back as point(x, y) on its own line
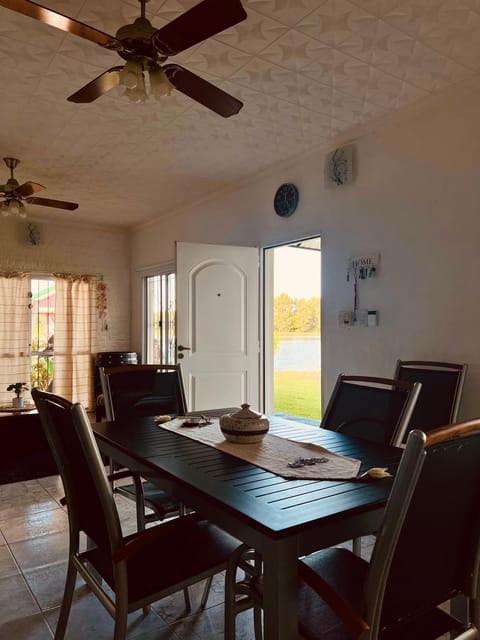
point(58, 20)
point(202, 91)
point(28, 188)
point(96, 88)
point(58, 204)
point(202, 21)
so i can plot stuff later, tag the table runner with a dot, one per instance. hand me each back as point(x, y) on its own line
point(273, 453)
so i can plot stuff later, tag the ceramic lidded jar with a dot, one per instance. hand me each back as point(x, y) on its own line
point(244, 426)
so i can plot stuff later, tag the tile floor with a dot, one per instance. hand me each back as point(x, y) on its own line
point(33, 551)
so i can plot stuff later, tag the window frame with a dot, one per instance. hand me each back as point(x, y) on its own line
point(168, 320)
point(38, 354)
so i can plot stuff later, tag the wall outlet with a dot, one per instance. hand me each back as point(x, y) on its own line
point(345, 319)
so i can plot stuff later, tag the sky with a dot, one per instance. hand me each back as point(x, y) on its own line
point(297, 272)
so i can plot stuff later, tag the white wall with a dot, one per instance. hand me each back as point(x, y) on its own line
point(76, 249)
point(416, 201)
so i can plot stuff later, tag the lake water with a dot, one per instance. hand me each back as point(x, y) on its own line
point(298, 354)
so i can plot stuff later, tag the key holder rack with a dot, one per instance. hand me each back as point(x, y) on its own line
point(360, 267)
point(363, 267)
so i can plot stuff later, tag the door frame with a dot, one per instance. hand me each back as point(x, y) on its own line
point(266, 311)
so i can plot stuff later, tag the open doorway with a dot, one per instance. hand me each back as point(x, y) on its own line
point(292, 330)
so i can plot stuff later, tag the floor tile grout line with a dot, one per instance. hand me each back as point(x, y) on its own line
point(20, 571)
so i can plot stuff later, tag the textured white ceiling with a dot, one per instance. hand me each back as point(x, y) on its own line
point(307, 71)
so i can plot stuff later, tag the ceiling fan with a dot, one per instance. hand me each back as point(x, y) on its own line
point(146, 49)
point(16, 194)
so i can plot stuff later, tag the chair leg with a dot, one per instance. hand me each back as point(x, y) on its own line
point(66, 602)
point(229, 609)
point(357, 547)
point(230, 606)
point(206, 592)
point(111, 470)
point(121, 613)
point(139, 503)
point(188, 603)
point(475, 612)
point(140, 513)
point(257, 622)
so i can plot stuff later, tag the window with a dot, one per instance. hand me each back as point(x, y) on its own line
point(42, 325)
point(48, 332)
point(160, 310)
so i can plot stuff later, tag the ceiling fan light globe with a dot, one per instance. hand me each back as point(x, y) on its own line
point(160, 85)
point(131, 76)
point(4, 210)
point(22, 210)
point(134, 95)
point(129, 79)
point(138, 94)
point(14, 208)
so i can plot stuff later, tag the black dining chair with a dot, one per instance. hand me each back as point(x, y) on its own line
point(442, 386)
point(427, 551)
point(375, 409)
point(132, 391)
point(142, 390)
point(140, 568)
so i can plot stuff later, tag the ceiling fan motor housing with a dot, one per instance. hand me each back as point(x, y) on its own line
point(137, 44)
point(11, 185)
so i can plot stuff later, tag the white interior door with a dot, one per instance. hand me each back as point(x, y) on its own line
point(218, 324)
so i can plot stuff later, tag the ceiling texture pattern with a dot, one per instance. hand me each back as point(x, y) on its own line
point(308, 71)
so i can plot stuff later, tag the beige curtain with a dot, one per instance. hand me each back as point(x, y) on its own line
point(14, 333)
point(75, 337)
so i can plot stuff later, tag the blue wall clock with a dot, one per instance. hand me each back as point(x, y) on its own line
point(286, 200)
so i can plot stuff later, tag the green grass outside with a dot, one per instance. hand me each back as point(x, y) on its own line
point(298, 393)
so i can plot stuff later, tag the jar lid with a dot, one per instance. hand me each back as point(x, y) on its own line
point(245, 413)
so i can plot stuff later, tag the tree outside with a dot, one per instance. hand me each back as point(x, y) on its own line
point(296, 316)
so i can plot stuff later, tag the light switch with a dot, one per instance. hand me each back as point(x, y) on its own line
point(372, 318)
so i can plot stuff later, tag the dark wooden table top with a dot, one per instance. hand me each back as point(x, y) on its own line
point(274, 506)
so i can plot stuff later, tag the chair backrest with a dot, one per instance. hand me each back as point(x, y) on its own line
point(142, 390)
point(91, 507)
point(375, 409)
point(442, 386)
point(428, 547)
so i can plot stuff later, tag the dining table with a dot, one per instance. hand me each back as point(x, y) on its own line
point(282, 518)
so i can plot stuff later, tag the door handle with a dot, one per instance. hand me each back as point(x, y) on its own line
point(182, 348)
